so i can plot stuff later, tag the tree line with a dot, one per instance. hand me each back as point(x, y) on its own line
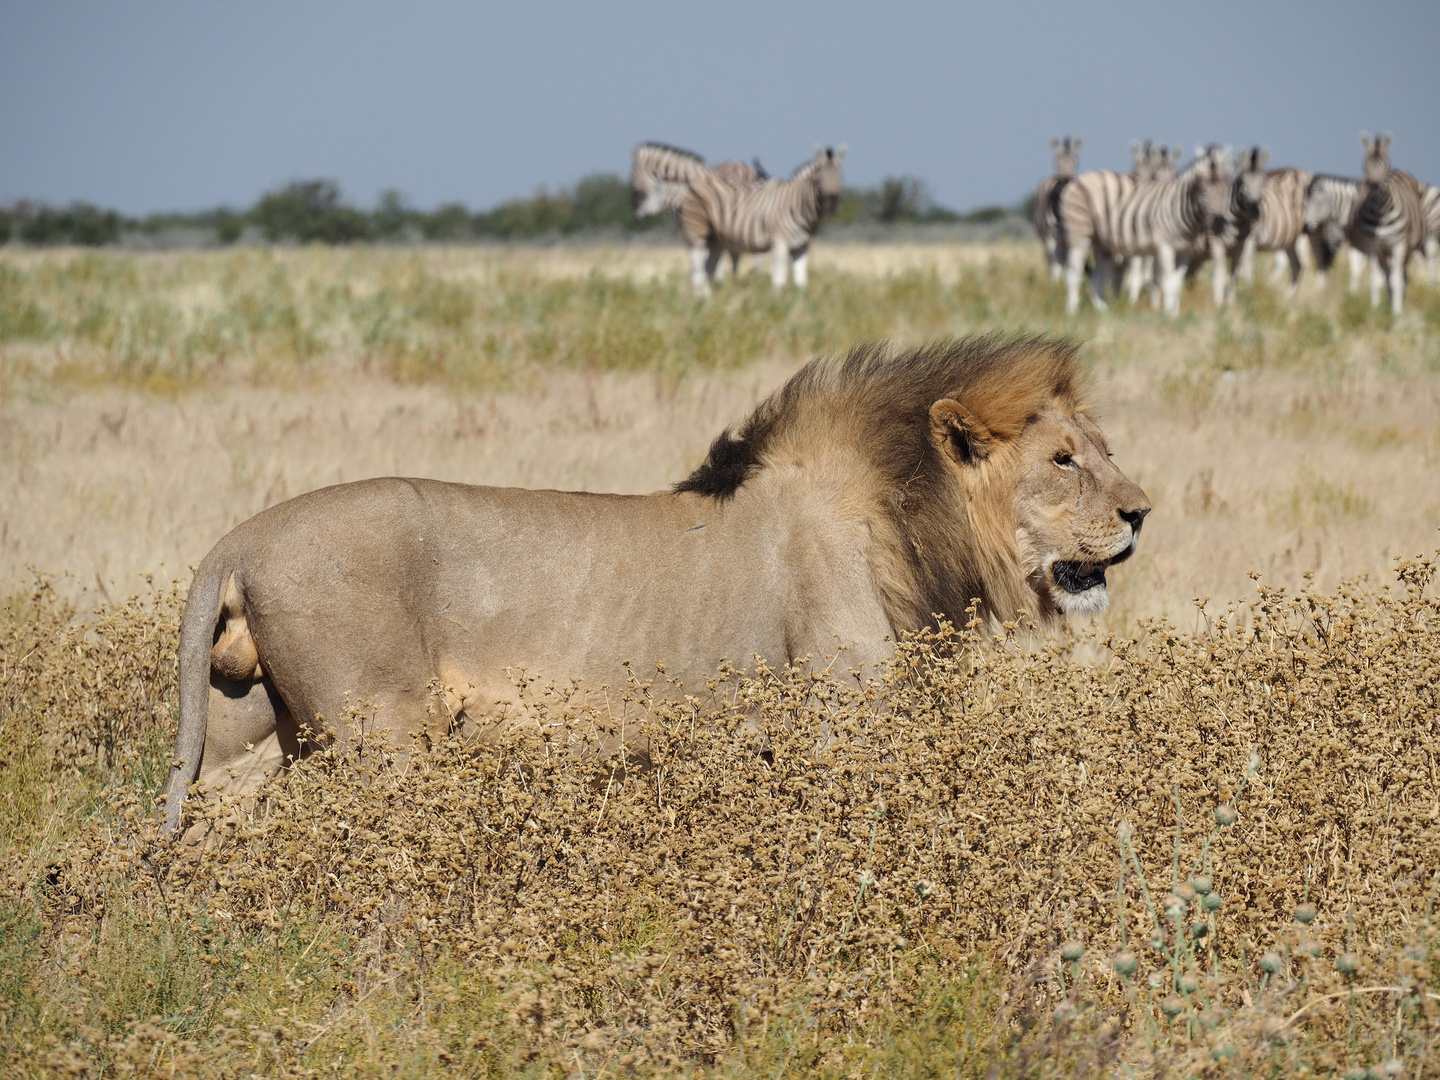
point(316, 211)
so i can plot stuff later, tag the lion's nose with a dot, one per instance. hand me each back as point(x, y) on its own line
point(1134, 518)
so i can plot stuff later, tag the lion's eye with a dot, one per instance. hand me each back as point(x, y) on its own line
point(1062, 458)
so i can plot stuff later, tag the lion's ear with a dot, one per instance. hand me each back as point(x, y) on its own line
point(959, 433)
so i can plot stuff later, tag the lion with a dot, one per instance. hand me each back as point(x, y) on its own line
point(867, 497)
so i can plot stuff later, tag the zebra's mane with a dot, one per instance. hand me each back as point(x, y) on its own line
point(878, 403)
point(659, 149)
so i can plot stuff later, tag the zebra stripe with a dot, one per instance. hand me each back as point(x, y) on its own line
point(1087, 209)
point(1047, 202)
point(1329, 205)
point(1280, 225)
point(661, 175)
point(1388, 222)
point(779, 216)
point(1430, 207)
point(1123, 219)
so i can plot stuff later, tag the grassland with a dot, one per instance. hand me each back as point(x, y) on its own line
point(900, 906)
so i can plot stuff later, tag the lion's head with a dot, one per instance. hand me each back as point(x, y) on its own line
point(980, 469)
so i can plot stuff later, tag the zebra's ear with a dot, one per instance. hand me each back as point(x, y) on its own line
point(1365, 141)
point(1177, 152)
point(1386, 139)
point(1262, 156)
point(840, 152)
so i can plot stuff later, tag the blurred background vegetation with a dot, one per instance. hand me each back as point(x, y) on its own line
point(316, 211)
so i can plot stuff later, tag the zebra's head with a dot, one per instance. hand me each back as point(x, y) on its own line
point(1067, 155)
point(1140, 155)
point(1250, 184)
point(827, 176)
point(1377, 155)
point(1214, 172)
point(1166, 161)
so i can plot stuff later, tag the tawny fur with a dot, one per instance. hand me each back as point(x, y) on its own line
point(868, 495)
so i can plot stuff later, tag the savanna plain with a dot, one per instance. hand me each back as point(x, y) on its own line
point(1198, 836)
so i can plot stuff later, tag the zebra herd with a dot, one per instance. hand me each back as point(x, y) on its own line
point(1161, 222)
point(733, 208)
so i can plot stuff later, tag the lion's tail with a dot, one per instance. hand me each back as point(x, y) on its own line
point(197, 633)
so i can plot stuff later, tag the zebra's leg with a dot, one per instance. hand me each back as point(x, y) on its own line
point(1221, 282)
point(1432, 257)
point(1378, 273)
point(1292, 256)
point(1171, 278)
point(1244, 269)
point(735, 265)
point(779, 264)
point(1100, 277)
point(699, 276)
point(1398, 258)
point(1075, 273)
point(714, 262)
point(801, 267)
point(1134, 278)
point(1357, 269)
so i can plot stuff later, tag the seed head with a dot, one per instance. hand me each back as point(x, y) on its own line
point(1157, 942)
point(1212, 902)
point(1310, 948)
point(867, 879)
point(1347, 963)
point(1172, 1006)
point(1186, 891)
point(1305, 913)
point(1064, 1011)
point(1174, 906)
point(1199, 930)
point(1270, 963)
point(1071, 951)
point(1202, 884)
point(1126, 963)
point(923, 888)
point(1225, 814)
point(1189, 983)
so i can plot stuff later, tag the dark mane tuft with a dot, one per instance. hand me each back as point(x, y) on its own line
point(729, 464)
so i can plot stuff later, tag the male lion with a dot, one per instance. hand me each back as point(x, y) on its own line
point(865, 495)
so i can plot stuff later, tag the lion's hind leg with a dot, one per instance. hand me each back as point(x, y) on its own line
point(249, 735)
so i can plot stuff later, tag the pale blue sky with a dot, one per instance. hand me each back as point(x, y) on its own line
point(153, 106)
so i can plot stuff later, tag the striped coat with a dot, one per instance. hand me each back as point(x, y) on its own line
point(778, 216)
point(1281, 224)
point(1087, 209)
point(1121, 219)
point(1388, 222)
point(1047, 202)
point(1176, 219)
point(1430, 206)
point(1329, 205)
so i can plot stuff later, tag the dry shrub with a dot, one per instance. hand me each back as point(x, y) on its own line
point(953, 871)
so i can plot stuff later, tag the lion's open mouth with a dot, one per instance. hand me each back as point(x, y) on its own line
point(1078, 577)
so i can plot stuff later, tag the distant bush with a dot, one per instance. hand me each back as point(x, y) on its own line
point(79, 223)
point(309, 210)
point(315, 211)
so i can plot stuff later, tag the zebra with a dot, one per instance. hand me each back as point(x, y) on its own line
point(659, 182)
point(1280, 226)
point(1164, 218)
point(1388, 222)
point(1047, 200)
point(1430, 206)
point(778, 216)
point(1153, 161)
point(1329, 204)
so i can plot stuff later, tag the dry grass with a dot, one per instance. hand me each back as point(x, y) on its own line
point(892, 904)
